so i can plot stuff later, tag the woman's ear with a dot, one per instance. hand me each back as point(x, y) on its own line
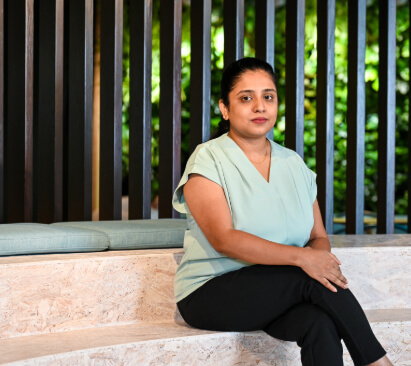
point(223, 109)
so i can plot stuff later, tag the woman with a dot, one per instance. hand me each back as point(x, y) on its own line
point(256, 252)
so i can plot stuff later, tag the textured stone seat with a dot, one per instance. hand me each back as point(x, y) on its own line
point(173, 343)
point(117, 307)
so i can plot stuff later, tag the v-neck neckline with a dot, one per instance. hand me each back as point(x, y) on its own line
point(244, 156)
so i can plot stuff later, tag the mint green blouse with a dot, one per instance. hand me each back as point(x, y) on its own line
point(280, 210)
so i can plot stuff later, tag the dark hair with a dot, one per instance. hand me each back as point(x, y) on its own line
point(230, 77)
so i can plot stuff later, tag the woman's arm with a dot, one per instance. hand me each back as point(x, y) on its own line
point(207, 203)
point(318, 237)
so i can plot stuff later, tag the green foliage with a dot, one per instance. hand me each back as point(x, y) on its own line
point(341, 53)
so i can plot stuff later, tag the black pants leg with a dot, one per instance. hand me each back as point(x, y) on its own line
point(313, 330)
point(289, 305)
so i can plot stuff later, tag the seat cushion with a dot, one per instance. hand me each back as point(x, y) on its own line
point(39, 238)
point(137, 234)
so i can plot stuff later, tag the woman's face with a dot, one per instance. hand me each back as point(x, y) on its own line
point(253, 106)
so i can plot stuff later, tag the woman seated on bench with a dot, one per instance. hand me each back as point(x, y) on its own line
point(257, 256)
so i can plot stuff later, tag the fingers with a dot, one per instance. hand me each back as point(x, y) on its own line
point(335, 258)
point(336, 271)
point(335, 275)
point(328, 284)
point(340, 280)
point(343, 279)
point(325, 268)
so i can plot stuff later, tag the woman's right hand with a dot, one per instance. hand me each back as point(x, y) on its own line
point(324, 267)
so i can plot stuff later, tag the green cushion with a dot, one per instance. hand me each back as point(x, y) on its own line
point(40, 238)
point(138, 234)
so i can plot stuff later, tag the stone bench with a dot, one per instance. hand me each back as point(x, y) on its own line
point(117, 307)
point(175, 344)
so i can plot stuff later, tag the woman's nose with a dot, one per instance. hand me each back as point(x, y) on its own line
point(259, 105)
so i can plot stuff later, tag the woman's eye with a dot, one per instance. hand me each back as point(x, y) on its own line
point(246, 98)
point(268, 97)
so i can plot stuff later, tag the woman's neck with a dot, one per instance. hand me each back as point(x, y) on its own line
point(257, 151)
point(252, 147)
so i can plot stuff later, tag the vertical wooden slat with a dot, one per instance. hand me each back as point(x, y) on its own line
point(80, 109)
point(233, 30)
point(28, 159)
point(111, 80)
point(200, 72)
point(19, 138)
point(58, 110)
point(325, 111)
point(28, 174)
point(36, 148)
point(49, 116)
point(170, 103)
point(140, 109)
point(2, 111)
point(409, 137)
point(386, 117)
point(265, 34)
point(66, 90)
point(294, 73)
point(355, 117)
point(265, 30)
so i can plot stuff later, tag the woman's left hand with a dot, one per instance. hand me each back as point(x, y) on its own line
point(324, 267)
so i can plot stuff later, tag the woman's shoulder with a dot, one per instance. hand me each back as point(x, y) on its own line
point(214, 143)
point(209, 149)
point(283, 152)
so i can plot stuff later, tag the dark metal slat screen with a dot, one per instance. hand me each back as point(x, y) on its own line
point(200, 72)
point(355, 117)
point(265, 34)
point(19, 96)
point(111, 117)
point(48, 110)
point(386, 123)
point(409, 138)
point(294, 75)
point(233, 30)
point(265, 30)
point(140, 110)
point(170, 103)
point(80, 109)
point(325, 111)
point(1, 110)
point(46, 102)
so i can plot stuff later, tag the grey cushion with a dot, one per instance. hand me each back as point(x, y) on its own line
point(40, 238)
point(138, 234)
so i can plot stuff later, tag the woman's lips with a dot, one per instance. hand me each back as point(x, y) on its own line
point(259, 120)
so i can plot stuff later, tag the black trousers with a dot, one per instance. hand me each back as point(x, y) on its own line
point(289, 305)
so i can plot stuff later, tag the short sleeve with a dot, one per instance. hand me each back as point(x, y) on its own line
point(202, 162)
point(310, 179)
point(311, 182)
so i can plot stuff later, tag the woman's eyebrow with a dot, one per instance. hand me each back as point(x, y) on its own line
point(253, 91)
